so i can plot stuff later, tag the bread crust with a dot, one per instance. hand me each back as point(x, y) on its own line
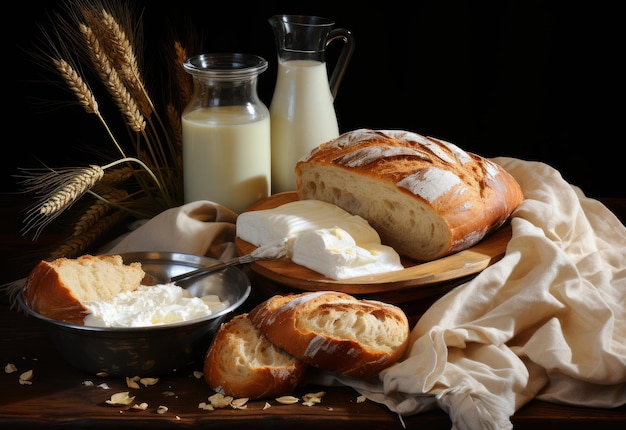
point(51, 293)
point(241, 362)
point(45, 293)
point(335, 331)
point(426, 197)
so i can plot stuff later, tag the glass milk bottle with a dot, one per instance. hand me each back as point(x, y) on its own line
point(302, 108)
point(226, 132)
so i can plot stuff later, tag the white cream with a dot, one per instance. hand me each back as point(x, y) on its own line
point(335, 254)
point(150, 306)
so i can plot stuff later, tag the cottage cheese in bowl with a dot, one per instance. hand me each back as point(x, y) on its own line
point(150, 306)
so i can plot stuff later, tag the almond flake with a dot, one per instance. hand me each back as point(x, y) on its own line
point(142, 406)
point(266, 406)
point(219, 400)
point(148, 381)
point(206, 406)
point(120, 399)
point(287, 400)
point(239, 403)
point(26, 377)
point(10, 368)
point(131, 383)
point(102, 374)
point(197, 374)
point(361, 399)
point(162, 409)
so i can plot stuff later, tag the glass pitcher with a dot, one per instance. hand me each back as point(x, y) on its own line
point(302, 111)
point(226, 132)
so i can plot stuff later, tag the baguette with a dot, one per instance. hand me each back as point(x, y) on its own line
point(426, 197)
point(241, 362)
point(57, 288)
point(334, 331)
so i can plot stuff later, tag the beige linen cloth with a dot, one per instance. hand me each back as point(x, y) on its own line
point(548, 321)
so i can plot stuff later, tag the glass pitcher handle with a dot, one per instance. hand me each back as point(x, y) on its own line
point(344, 56)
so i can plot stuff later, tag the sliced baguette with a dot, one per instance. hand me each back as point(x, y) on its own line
point(335, 331)
point(241, 362)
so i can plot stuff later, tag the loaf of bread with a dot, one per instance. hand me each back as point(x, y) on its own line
point(425, 197)
point(56, 289)
point(334, 331)
point(241, 362)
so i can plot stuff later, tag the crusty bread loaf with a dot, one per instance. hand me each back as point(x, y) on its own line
point(241, 362)
point(335, 331)
point(56, 289)
point(425, 197)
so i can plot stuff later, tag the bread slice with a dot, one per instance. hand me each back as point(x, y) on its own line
point(241, 362)
point(56, 289)
point(335, 331)
point(426, 197)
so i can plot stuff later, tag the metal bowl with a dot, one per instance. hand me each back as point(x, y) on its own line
point(155, 350)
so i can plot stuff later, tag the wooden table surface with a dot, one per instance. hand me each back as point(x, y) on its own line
point(64, 397)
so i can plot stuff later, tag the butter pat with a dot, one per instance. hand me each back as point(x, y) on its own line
point(335, 254)
point(267, 226)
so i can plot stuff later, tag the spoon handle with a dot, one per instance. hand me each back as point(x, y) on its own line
point(214, 268)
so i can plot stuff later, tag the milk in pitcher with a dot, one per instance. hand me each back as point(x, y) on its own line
point(302, 117)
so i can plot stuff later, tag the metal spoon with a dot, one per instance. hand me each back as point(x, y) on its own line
point(270, 251)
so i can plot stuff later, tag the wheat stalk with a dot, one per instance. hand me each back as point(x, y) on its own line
point(76, 245)
point(101, 34)
point(99, 208)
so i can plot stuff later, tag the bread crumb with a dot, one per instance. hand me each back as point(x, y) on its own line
point(361, 399)
point(197, 374)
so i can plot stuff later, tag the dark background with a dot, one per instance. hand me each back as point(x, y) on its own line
point(536, 80)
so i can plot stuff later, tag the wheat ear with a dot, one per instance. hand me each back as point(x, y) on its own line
point(185, 85)
point(78, 86)
point(123, 56)
point(72, 190)
point(109, 76)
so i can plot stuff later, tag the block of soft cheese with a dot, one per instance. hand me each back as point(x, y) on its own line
point(269, 226)
point(335, 254)
point(322, 237)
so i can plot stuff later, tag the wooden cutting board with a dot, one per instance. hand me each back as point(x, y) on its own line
point(415, 275)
